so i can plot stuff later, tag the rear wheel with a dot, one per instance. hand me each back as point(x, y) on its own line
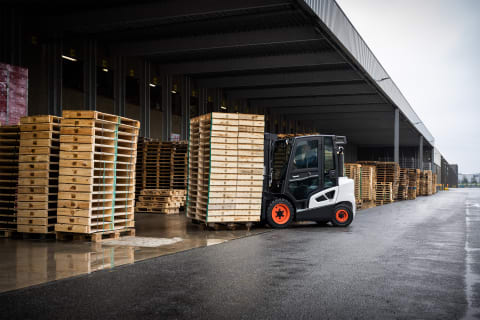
point(280, 213)
point(343, 216)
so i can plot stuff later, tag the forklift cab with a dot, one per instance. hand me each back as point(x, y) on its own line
point(305, 181)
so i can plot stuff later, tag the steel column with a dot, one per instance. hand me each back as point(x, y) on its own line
point(119, 84)
point(396, 139)
point(145, 99)
point(90, 75)
point(54, 65)
point(202, 101)
point(185, 122)
point(166, 108)
point(420, 153)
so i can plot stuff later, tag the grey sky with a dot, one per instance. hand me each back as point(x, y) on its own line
point(431, 49)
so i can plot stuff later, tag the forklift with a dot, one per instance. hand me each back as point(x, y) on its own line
point(303, 181)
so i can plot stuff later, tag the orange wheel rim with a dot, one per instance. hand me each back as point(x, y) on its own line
point(341, 216)
point(280, 213)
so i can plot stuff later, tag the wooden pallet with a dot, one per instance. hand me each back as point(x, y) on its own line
point(226, 168)
point(163, 201)
point(9, 153)
point(386, 172)
point(384, 193)
point(97, 172)
point(403, 185)
point(354, 171)
point(38, 174)
point(368, 183)
point(96, 237)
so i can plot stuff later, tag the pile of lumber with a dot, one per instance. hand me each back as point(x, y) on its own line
point(413, 180)
point(384, 193)
point(354, 171)
point(38, 174)
point(97, 174)
point(226, 160)
point(164, 201)
point(9, 147)
point(403, 184)
point(368, 186)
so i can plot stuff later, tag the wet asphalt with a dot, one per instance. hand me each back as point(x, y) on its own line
point(412, 259)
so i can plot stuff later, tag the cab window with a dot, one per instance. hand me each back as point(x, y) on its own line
point(328, 161)
point(306, 155)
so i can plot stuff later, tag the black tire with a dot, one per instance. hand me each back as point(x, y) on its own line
point(342, 216)
point(280, 213)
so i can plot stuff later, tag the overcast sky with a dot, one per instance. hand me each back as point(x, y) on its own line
point(431, 50)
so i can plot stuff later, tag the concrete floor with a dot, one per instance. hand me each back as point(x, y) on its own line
point(32, 262)
point(413, 259)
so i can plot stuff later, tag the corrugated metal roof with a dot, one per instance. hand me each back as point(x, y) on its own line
point(332, 16)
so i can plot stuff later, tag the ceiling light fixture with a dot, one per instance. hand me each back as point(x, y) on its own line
point(152, 85)
point(69, 58)
point(105, 70)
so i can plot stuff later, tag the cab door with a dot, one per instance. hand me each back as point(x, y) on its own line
point(304, 175)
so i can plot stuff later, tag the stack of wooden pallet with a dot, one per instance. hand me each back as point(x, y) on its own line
point(368, 186)
point(354, 171)
point(226, 168)
point(38, 174)
point(427, 183)
point(179, 169)
point(403, 183)
point(389, 172)
point(163, 165)
point(413, 176)
point(139, 169)
point(434, 183)
point(384, 193)
point(419, 174)
point(97, 174)
point(164, 201)
point(9, 147)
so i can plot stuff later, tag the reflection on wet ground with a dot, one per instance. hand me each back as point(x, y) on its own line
point(29, 262)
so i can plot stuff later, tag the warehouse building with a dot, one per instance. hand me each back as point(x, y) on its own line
point(300, 63)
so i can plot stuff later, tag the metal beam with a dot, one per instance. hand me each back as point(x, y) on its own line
point(420, 153)
point(202, 101)
point(313, 110)
point(185, 120)
point(54, 65)
point(307, 91)
point(166, 108)
point(90, 75)
point(217, 41)
point(282, 78)
point(305, 60)
point(157, 12)
point(318, 101)
point(396, 139)
point(119, 85)
point(145, 99)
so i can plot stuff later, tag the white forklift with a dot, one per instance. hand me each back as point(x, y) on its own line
point(303, 181)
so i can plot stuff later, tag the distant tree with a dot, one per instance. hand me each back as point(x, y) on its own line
point(474, 180)
point(464, 180)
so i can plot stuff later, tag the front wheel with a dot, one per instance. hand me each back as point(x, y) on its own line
point(343, 216)
point(280, 213)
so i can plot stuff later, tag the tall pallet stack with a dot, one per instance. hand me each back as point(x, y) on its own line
point(354, 171)
point(9, 148)
point(163, 201)
point(179, 169)
point(426, 183)
point(226, 168)
point(97, 174)
point(38, 174)
point(434, 183)
point(384, 193)
point(419, 175)
point(412, 184)
point(139, 166)
point(368, 185)
point(403, 183)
